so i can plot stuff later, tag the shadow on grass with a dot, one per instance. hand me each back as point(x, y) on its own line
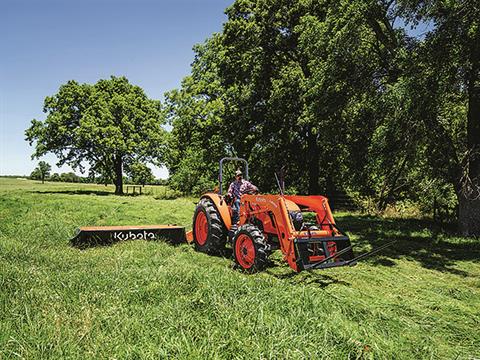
point(432, 246)
point(317, 278)
point(76, 192)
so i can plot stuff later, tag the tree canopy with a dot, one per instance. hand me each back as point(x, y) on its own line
point(106, 126)
point(140, 173)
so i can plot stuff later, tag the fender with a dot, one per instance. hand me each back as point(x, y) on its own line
point(222, 208)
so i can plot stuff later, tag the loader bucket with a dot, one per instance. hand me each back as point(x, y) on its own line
point(89, 236)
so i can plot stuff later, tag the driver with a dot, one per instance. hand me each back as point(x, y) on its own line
point(237, 188)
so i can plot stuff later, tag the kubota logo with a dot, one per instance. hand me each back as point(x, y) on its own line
point(144, 235)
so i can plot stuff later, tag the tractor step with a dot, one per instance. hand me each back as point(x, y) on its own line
point(89, 236)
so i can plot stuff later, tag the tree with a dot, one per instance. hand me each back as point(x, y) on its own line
point(140, 173)
point(70, 177)
point(196, 112)
point(447, 93)
point(281, 84)
point(55, 177)
point(41, 172)
point(35, 174)
point(107, 125)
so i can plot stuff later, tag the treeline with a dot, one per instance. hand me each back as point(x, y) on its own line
point(71, 177)
point(63, 177)
point(141, 177)
point(339, 95)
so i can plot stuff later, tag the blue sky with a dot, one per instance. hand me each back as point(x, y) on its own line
point(45, 43)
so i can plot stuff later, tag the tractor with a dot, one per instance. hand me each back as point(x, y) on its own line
point(302, 227)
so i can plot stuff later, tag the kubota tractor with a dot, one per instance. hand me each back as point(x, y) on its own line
point(302, 227)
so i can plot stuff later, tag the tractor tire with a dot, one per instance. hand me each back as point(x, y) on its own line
point(250, 248)
point(209, 232)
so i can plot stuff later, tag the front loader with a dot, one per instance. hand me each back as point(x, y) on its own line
point(302, 227)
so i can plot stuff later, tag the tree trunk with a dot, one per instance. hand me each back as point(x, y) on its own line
point(313, 159)
point(388, 190)
point(118, 175)
point(469, 194)
point(468, 216)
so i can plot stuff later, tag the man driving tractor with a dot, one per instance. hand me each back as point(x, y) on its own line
point(237, 188)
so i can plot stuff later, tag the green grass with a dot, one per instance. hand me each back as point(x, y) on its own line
point(419, 299)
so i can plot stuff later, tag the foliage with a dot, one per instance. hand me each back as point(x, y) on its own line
point(140, 173)
point(447, 74)
point(35, 174)
point(108, 125)
point(193, 175)
point(196, 112)
point(70, 177)
point(54, 177)
point(280, 80)
point(41, 172)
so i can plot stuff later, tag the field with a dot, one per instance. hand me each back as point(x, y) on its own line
point(419, 299)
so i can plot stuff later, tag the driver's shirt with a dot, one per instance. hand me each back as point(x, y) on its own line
point(238, 188)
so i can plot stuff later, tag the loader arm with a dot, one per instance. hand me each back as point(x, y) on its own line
point(302, 249)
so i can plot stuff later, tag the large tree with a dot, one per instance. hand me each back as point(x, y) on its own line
point(282, 83)
point(446, 92)
point(196, 112)
point(106, 125)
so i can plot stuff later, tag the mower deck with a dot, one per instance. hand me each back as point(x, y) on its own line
point(105, 235)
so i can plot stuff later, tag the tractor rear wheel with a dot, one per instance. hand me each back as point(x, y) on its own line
point(209, 232)
point(250, 248)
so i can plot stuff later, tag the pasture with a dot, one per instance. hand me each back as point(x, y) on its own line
point(137, 299)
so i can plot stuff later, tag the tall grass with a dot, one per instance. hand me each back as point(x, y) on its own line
point(138, 299)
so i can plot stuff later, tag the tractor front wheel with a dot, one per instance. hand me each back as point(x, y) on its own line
point(250, 248)
point(209, 233)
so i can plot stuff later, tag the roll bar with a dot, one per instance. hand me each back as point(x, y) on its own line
point(220, 175)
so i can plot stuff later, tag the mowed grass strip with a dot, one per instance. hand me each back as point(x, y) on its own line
point(138, 299)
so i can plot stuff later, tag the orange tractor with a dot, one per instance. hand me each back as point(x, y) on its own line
point(270, 222)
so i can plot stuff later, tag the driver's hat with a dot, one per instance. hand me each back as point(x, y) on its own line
point(238, 172)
